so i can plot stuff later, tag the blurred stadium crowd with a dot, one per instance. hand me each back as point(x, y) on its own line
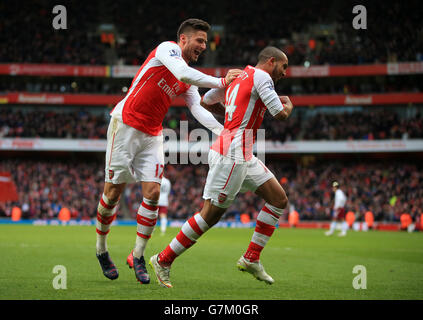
point(52, 124)
point(355, 125)
point(235, 39)
point(342, 85)
point(387, 188)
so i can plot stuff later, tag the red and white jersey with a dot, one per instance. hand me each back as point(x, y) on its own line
point(156, 84)
point(246, 100)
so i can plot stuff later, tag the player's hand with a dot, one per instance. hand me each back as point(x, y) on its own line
point(287, 102)
point(288, 106)
point(285, 99)
point(231, 75)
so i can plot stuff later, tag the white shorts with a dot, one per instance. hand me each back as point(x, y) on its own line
point(132, 155)
point(227, 177)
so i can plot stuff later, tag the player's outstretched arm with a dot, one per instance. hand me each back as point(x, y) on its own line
point(171, 56)
point(193, 98)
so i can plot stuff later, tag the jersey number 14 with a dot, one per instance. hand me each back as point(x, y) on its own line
point(230, 101)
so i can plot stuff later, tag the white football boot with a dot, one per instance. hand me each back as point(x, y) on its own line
point(162, 273)
point(255, 268)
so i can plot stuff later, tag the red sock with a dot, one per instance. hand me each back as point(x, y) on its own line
point(167, 256)
point(253, 252)
point(191, 230)
point(265, 226)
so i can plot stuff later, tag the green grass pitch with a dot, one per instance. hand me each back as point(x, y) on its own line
point(304, 263)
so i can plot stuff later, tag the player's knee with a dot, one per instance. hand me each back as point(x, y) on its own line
point(211, 214)
point(280, 202)
point(112, 194)
point(113, 191)
point(283, 202)
point(152, 193)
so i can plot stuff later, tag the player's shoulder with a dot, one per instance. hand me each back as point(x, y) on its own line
point(261, 76)
point(262, 79)
point(339, 191)
point(259, 72)
point(171, 46)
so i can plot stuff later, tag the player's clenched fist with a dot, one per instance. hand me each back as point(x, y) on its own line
point(231, 75)
point(285, 100)
point(288, 106)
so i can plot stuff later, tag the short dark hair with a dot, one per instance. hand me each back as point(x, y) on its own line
point(270, 52)
point(192, 25)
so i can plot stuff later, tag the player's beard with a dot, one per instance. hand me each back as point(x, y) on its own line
point(192, 57)
point(195, 56)
point(275, 74)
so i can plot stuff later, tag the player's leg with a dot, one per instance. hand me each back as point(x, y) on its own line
point(106, 213)
point(146, 221)
point(214, 207)
point(116, 176)
point(344, 229)
point(224, 181)
point(190, 232)
point(148, 167)
point(333, 224)
point(146, 216)
point(332, 228)
point(343, 222)
point(276, 200)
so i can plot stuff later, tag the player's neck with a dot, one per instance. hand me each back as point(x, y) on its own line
point(185, 59)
